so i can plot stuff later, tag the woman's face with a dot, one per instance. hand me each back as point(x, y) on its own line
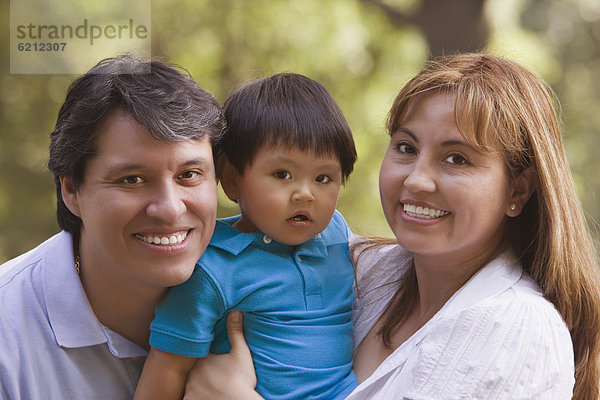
point(441, 196)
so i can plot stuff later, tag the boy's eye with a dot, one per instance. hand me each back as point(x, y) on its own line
point(284, 175)
point(323, 179)
point(456, 159)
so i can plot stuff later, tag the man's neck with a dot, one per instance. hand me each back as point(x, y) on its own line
point(126, 313)
point(122, 308)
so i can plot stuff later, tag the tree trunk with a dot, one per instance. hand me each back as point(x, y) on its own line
point(449, 26)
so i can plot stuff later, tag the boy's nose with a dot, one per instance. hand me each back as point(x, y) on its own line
point(303, 192)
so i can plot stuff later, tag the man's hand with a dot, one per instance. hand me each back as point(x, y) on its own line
point(225, 376)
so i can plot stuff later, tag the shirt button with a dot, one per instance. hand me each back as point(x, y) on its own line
point(299, 259)
point(267, 239)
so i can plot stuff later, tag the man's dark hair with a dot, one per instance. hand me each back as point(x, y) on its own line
point(290, 110)
point(161, 97)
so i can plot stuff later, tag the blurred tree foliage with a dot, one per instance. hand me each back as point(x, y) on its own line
point(361, 50)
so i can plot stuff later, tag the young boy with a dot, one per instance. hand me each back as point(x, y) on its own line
point(284, 261)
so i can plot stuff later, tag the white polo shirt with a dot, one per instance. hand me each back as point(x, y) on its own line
point(496, 338)
point(52, 346)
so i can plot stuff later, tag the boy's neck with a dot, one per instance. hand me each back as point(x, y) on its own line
point(245, 225)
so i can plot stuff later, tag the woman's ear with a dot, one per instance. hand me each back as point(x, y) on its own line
point(523, 187)
point(69, 195)
point(228, 177)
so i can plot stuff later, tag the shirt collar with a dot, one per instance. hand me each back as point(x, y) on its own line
point(71, 317)
point(228, 238)
point(494, 278)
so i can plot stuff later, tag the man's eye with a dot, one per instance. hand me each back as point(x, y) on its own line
point(284, 175)
point(189, 174)
point(323, 179)
point(132, 180)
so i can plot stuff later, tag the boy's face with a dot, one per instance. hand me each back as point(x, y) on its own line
point(288, 194)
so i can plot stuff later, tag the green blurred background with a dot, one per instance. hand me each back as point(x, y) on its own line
point(361, 50)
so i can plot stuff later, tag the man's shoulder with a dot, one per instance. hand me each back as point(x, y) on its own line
point(26, 261)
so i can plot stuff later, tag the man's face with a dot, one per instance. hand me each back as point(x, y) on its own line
point(148, 207)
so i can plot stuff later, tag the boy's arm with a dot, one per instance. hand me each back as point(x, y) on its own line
point(163, 376)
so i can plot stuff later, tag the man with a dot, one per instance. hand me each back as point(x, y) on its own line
point(132, 158)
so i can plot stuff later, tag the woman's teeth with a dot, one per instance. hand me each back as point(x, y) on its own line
point(164, 240)
point(423, 212)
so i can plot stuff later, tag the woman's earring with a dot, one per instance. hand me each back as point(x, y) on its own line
point(512, 207)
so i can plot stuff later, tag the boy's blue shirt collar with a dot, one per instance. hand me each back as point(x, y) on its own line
point(229, 239)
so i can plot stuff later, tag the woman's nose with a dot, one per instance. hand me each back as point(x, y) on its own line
point(421, 177)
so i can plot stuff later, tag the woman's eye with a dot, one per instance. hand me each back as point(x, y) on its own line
point(456, 159)
point(285, 175)
point(405, 148)
point(323, 179)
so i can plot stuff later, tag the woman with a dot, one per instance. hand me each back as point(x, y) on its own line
point(490, 289)
point(476, 188)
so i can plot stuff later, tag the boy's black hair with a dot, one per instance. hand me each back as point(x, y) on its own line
point(290, 110)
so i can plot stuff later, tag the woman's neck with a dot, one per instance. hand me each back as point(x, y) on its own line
point(439, 277)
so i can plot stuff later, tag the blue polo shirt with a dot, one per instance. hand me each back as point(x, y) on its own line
point(296, 303)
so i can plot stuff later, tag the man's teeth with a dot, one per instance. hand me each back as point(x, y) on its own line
point(423, 212)
point(299, 218)
point(164, 240)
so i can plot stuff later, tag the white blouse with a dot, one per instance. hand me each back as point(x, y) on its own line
point(496, 338)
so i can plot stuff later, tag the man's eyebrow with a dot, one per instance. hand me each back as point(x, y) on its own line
point(124, 167)
point(120, 168)
point(202, 162)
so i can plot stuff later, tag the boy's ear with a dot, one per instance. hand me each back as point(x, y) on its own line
point(228, 176)
point(524, 186)
point(69, 195)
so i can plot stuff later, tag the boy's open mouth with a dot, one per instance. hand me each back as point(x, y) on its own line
point(299, 217)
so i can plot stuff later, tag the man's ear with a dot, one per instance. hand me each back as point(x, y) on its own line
point(228, 177)
point(523, 187)
point(69, 195)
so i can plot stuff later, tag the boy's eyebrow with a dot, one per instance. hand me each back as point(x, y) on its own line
point(278, 159)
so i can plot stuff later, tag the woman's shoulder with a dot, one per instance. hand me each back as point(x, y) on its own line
point(513, 330)
point(376, 260)
point(512, 345)
point(524, 305)
point(379, 264)
point(520, 311)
